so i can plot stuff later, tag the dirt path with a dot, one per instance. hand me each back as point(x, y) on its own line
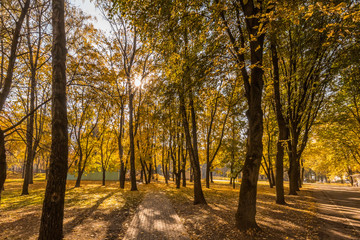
point(156, 219)
point(338, 211)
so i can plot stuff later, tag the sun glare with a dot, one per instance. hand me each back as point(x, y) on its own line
point(137, 82)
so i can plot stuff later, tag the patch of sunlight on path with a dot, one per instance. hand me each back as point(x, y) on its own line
point(156, 219)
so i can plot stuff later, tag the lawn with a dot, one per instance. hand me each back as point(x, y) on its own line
point(97, 212)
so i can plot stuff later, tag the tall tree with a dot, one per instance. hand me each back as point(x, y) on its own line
point(251, 14)
point(7, 81)
point(51, 226)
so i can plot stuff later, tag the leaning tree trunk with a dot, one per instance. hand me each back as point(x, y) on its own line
point(51, 226)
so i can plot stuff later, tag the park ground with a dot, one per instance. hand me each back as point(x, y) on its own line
point(105, 212)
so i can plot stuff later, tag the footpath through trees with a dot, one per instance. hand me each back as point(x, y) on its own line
point(156, 219)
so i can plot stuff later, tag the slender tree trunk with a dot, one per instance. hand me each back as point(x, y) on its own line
point(149, 173)
point(283, 130)
point(51, 226)
point(207, 178)
point(103, 176)
point(78, 179)
point(191, 174)
point(121, 149)
point(211, 177)
point(192, 146)
point(2, 161)
point(132, 145)
point(30, 132)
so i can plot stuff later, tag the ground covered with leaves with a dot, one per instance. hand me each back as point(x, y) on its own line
point(97, 212)
point(91, 211)
point(296, 220)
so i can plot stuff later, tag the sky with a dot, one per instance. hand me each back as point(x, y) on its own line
point(89, 8)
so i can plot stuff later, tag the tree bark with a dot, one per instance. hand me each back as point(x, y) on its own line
point(51, 226)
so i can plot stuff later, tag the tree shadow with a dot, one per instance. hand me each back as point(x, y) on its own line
point(68, 227)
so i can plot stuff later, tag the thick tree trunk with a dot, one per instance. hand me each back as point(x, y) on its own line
point(51, 226)
point(245, 215)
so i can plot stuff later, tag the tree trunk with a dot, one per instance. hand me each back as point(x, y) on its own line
point(103, 176)
point(191, 174)
point(293, 170)
point(192, 148)
point(132, 145)
point(149, 173)
point(122, 175)
point(207, 178)
point(245, 215)
point(283, 130)
point(121, 150)
point(142, 175)
point(211, 177)
point(78, 179)
point(2, 161)
point(51, 226)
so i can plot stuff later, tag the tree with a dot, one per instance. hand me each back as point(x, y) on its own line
point(253, 16)
point(7, 81)
point(35, 61)
point(51, 226)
